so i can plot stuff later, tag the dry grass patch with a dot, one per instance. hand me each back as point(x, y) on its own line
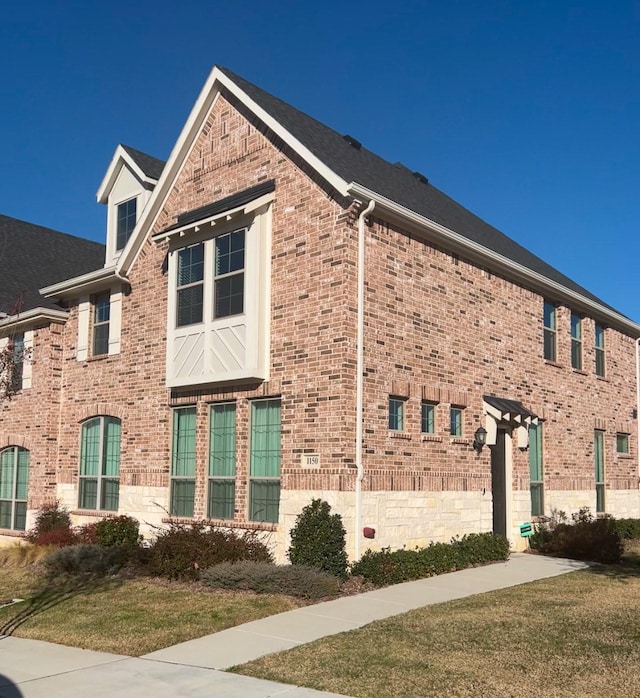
point(573, 635)
point(125, 616)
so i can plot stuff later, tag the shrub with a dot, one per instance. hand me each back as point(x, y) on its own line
point(585, 538)
point(628, 529)
point(391, 567)
point(318, 539)
point(264, 578)
point(52, 526)
point(86, 534)
point(90, 560)
point(183, 550)
point(118, 531)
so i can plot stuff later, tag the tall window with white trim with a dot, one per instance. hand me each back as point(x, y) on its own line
point(99, 480)
point(183, 462)
point(264, 484)
point(222, 461)
point(14, 481)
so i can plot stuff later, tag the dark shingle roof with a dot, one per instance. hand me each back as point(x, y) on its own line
point(32, 257)
point(151, 166)
point(398, 184)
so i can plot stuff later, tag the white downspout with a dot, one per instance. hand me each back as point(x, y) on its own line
point(638, 402)
point(360, 376)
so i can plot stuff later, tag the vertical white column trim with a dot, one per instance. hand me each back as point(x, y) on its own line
point(84, 311)
point(27, 365)
point(115, 321)
point(508, 477)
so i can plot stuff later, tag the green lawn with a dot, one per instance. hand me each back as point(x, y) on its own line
point(126, 616)
point(573, 635)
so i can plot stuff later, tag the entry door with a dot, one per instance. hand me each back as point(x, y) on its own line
point(499, 484)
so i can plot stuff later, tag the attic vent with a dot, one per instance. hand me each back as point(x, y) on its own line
point(420, 177)
point(353, 142)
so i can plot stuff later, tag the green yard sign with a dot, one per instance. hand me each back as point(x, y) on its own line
point(526, 530)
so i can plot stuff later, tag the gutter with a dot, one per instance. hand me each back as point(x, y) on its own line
point(360, 376)
point(476, 251)
point(30, 316)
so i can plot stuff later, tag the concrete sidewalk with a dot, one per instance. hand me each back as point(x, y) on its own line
point(44, 670)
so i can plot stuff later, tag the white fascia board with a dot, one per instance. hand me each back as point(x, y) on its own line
point(31, 317)
point(183, 146)
point(119, 158)
point(86, 283)
point(476, 251)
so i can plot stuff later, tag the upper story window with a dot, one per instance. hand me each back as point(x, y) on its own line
point(622, 443)
point(229, 274)
point(576, 341)
point(455, 421)
point(101, 316)
point(190, 285)
point(599, 350)
point(549, 321)
point(428, 421)
point(99, 486)
point(125, 222)
point(396, 414)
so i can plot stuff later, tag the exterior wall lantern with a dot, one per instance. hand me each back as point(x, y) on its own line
point(479, 439)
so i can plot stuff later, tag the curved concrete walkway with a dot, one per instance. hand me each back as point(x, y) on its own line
point(34, 669)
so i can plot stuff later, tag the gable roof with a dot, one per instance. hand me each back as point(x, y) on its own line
point(398, 184)
point(32, 256)
point(343, 167)
point(151, 166)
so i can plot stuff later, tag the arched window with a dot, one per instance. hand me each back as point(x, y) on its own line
point(14, 483)
point(99, 482)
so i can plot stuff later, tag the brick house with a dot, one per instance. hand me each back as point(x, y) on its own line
point(281, 314)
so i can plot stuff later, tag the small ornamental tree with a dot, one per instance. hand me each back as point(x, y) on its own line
point(12, 359)
point(318, 539)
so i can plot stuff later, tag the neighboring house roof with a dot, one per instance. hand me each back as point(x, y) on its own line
point(32, 256)
point(397, 183)
point(151, 166)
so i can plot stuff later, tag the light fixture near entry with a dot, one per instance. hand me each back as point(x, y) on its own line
point(479, 439)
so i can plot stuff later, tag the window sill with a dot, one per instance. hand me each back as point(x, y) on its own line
point(460, 440)
point(431, 437)
point(602, 378)
point(12, 533)
point(98, 513)
point(399, 435)
point(624, 456)
point(224, 523)
point(555, 364)
point(579, 371)
point(100, 357)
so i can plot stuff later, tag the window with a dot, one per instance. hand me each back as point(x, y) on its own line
point(101, 315)
point(536, 476)
point(396, 414)
point(190, 285)
point(229, 274)
point(455, 420)
point(428, 421)
point(576, 342)
point(17, 362)
point(598, 454)
point(183, 462)
point(622, 443)
point(599, 350)
point(99, 486)
point(126, 222)
point(264, 485)
point(222, 461)
point(14, 479)
point(549, 331)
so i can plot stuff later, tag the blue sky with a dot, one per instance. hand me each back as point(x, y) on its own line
point(527, 113)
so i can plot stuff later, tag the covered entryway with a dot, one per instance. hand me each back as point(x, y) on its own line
point(504, 419)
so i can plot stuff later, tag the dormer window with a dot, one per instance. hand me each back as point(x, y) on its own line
point(126, 222)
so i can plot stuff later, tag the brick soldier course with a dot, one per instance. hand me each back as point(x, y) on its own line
point(452, 315)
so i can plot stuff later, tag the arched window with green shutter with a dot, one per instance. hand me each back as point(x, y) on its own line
point(14, 484)
point(99, 482)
